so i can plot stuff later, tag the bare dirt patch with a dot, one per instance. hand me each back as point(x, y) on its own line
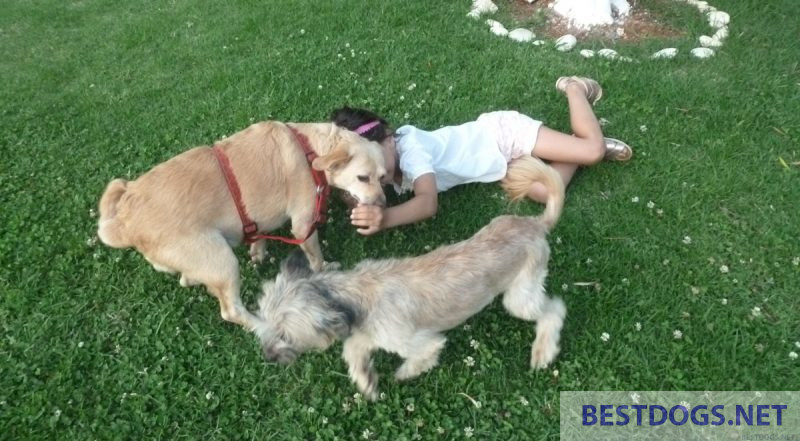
point(640, 25)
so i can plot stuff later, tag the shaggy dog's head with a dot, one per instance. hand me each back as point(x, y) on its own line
point(304, 311)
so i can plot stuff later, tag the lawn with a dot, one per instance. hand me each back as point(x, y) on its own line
point(680, 269)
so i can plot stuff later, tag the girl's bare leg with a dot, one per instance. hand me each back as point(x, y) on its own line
point(567, 152)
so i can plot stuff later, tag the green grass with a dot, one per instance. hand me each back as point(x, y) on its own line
point(97, 345)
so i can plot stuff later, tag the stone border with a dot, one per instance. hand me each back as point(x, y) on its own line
point(718, 20)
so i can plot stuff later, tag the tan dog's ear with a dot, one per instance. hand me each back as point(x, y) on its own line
point(333, 160)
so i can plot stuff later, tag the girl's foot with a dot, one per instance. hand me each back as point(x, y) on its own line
point(617, 150)
point(592, 88)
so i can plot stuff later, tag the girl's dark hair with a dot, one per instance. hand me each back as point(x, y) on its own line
point(351, 118)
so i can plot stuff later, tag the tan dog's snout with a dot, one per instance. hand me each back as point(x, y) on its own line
point(352, 201)
point(373, 199)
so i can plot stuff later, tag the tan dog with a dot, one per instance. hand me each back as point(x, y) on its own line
point(182, 218)
point(404, 305)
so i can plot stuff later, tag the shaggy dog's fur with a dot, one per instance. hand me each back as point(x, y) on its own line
point(182, 218)
point(404, 305)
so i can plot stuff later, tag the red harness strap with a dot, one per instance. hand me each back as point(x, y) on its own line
point(249, 227)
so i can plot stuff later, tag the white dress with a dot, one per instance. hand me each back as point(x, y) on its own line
point(477, 151)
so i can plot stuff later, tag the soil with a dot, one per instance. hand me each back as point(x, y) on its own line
point(640, 25)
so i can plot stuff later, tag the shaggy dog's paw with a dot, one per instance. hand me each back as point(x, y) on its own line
point(331, 266)
point(406, 372)
point(370, 389)
point(543, 352)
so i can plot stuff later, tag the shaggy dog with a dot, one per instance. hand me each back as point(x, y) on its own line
point(181, 216)
point(404, 305)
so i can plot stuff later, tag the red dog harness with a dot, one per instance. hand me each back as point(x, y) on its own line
point(249, 227)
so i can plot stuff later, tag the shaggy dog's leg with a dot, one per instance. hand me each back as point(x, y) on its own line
point(548, 333)
point(527, 300)
point(356, 352)
point(422, 354)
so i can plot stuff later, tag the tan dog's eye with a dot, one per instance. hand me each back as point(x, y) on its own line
point(363, 178)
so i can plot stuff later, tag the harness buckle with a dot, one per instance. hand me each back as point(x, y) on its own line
point(250, 229)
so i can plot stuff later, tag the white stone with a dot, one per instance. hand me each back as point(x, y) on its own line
point(707, 41)
point(565, 43)
point(587, 53)
point(497, 28)
point(485, 6)
point(702, 6)
point(611, 54)
point(718, 19)
point(702, 52)
point(521, 35)
point(480, 7)
point(667, 53)
point(721, 34)
point(539, 42)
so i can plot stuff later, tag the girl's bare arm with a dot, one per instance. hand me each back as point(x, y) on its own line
point(369, 219)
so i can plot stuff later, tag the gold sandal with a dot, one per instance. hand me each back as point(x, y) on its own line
point(593, 90)
point(617, 150)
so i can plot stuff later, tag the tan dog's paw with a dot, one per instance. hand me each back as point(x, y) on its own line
point(258, 251)
point(187, 282)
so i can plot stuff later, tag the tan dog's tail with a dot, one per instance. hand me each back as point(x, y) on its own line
point(109, 229)
point(523, 172)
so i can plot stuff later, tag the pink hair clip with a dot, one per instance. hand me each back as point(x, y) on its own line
point(364, 128)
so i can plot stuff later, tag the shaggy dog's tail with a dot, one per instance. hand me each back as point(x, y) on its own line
point(109, 229)
point(526, 170)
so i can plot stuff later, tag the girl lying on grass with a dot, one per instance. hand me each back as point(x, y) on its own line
point(428, 162)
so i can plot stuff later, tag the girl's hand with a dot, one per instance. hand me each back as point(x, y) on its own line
point(367, 219)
